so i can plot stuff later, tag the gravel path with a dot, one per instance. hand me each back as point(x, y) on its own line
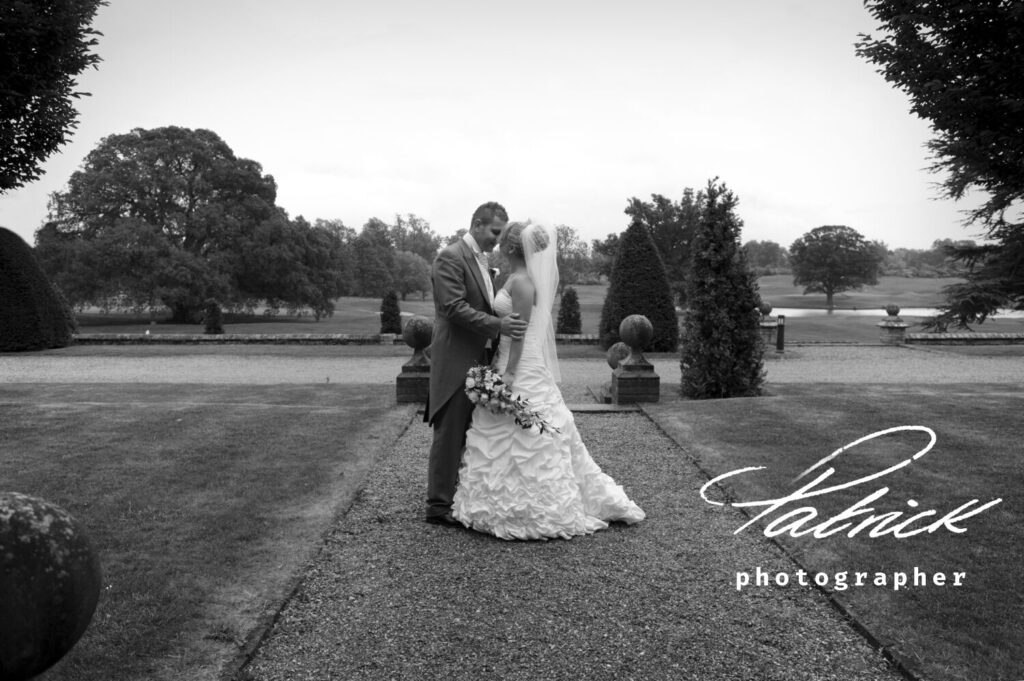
point(391, 597)
point(802, 364)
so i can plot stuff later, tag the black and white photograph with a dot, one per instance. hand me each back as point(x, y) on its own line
point(568, 340)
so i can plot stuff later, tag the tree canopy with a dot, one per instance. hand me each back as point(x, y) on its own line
point(672, 226)
point(44, 46)
point(171, 216)
point(833, 259)
point(961, 65)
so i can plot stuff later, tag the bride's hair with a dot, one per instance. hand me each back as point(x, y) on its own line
point(513, 236)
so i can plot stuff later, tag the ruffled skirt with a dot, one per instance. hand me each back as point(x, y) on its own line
point(515, 484)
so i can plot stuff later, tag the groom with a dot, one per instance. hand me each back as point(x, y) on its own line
point(465, 329)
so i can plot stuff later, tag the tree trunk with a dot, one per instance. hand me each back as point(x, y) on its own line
point(828, 299)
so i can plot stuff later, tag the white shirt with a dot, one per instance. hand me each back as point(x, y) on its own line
point(481, 261)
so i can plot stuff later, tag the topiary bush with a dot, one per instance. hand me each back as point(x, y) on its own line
point(213, 318)
point(33, 314)
point(638, 284)
point(390, 315)
point(722, 348)
point(569, 312)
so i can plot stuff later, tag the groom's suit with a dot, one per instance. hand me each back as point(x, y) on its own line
point(464, 322)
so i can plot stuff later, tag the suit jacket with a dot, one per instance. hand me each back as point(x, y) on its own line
point(463, 323)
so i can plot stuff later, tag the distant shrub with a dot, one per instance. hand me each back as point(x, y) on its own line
point(390, 314)
point(212, 317)
point(569, 312)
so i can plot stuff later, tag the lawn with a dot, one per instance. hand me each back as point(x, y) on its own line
point(362, 315)
point(974, 631)
point(906, 292)
point(203, 502)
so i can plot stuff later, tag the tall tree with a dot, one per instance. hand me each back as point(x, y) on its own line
point(171, 216)
point(44, 46)
point(603, 254)
point(414, 234)
point(961, 65)
point(412, 274)
point(766, 257)
point(672, 226)
point(833, 259)
point(722, 350)
point(573, 257)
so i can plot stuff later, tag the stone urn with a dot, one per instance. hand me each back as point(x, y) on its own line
point(49, 584)
point(616, 353)
point(413, 384)
point(634, 379)
point(892, 330)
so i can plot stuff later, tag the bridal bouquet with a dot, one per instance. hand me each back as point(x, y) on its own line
point(485, 388)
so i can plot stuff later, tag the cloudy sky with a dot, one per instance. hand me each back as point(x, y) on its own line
point(561, 110)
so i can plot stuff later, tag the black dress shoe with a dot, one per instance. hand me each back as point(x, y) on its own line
point(443, 519)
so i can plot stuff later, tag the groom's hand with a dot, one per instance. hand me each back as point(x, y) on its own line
point(513, 326)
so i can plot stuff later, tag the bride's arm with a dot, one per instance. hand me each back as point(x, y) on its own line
point(521, 292)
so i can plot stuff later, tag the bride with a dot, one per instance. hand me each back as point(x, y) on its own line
point(514, 483)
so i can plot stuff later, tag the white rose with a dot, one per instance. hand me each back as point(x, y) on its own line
point(470, 382)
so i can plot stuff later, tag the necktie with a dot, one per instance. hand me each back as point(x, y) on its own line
point(481, 259)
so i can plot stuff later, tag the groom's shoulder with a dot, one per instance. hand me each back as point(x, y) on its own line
point(452, 249)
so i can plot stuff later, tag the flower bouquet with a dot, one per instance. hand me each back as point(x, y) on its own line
point(484, 387)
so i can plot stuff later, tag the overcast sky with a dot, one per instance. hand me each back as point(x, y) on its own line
point(561, 110)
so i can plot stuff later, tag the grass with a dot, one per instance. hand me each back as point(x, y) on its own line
point(361, 315)
point(202, 502)
point(970, 632)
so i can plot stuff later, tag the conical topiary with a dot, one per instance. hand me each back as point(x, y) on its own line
point(33, 315)
point(569, 312)
point(722, 347)
point(390, 315)
point(639, 285)
point(213, 317)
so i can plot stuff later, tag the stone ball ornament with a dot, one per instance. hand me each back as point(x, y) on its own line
point(50, 584)
point(892, 309)
point(616, 353)
point(636, 331)
point(418, 332)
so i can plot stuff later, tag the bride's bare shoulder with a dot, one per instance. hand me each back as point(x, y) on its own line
point(520, 285)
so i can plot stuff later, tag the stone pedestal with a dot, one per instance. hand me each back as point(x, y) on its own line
point(769, 325)
point(413, 384)
point(634, 379)
point(893, 331)
point(635, 383)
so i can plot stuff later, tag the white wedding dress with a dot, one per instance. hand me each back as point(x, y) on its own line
point(518, 485)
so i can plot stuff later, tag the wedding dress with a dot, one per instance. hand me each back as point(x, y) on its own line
point(518, 485)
